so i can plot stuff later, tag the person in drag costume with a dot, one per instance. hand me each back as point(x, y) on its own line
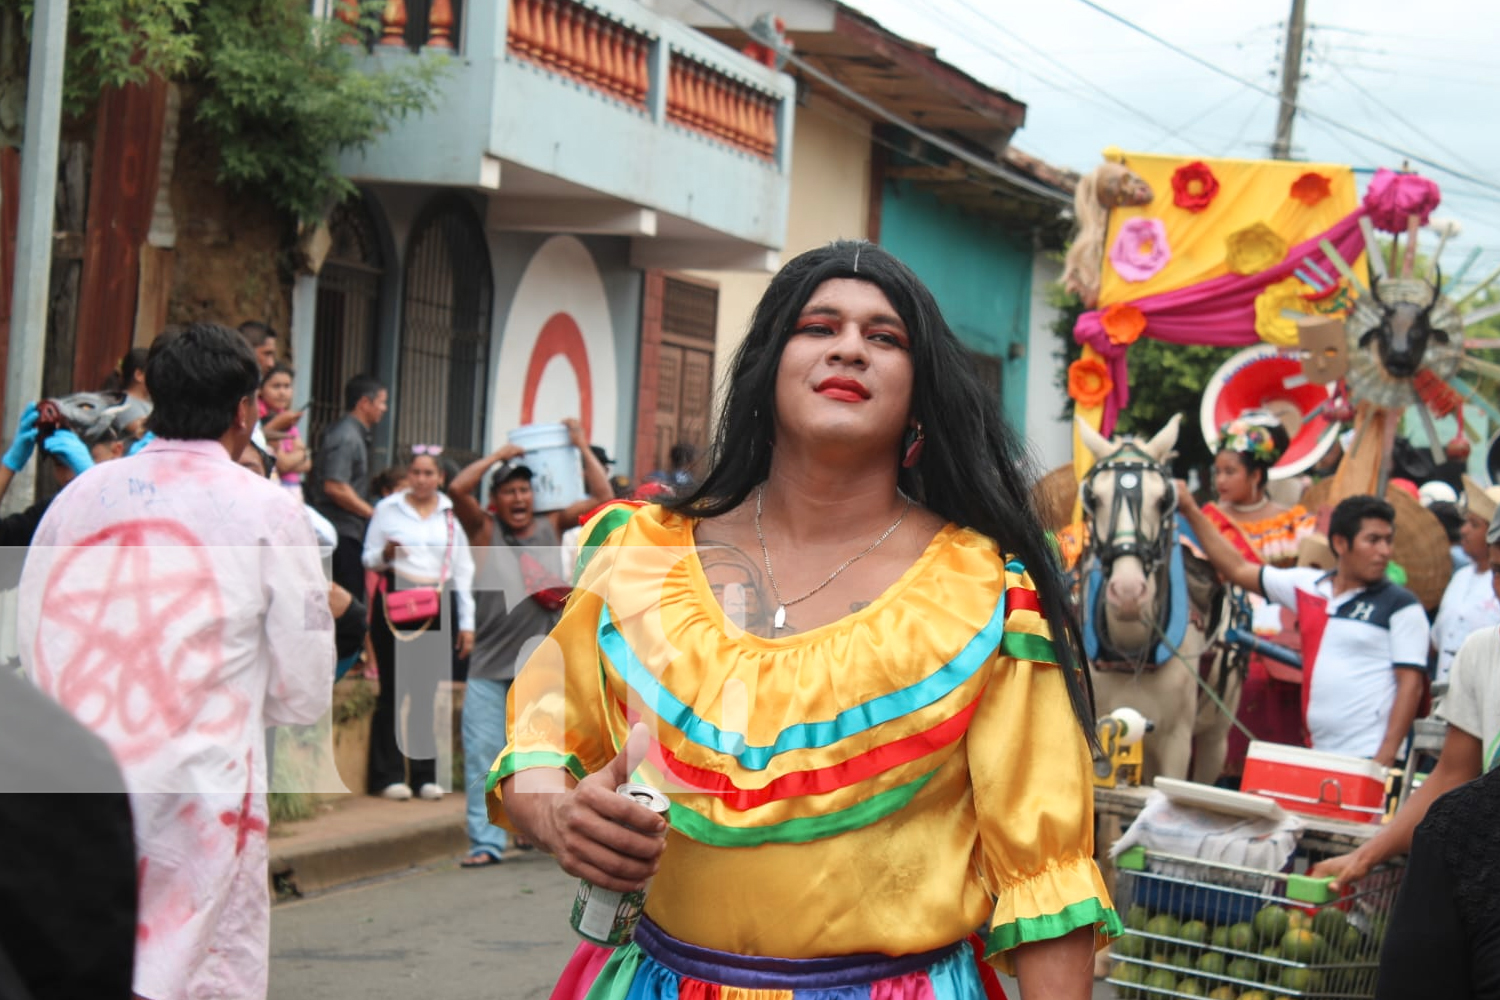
point(848, 659)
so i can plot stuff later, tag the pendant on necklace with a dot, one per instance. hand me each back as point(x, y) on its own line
point(779, 621)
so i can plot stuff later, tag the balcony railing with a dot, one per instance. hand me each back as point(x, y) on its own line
point(601, 51)
point(582, 44)
point(405, 24)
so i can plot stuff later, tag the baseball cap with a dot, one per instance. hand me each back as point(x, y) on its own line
point(509, 471)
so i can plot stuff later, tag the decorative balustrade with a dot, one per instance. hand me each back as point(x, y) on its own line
point(598, 51)
point(584, 44)
point(706, 100)
point(406, 24)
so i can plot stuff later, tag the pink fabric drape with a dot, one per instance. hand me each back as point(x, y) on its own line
point(1220, 312)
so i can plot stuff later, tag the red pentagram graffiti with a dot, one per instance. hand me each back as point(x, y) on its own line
point(131, 638)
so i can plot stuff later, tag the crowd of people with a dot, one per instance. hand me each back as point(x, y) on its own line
point(848, 642)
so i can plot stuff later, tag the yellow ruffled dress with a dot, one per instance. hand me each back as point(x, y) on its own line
point(891, 782)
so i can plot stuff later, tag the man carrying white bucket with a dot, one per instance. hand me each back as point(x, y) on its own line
point(518, 595)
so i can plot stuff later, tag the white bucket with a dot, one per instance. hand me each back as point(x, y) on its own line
point(556, 467)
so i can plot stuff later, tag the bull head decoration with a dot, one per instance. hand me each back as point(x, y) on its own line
point(1403, 332)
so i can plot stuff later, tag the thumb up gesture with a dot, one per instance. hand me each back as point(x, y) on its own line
point(603, 836)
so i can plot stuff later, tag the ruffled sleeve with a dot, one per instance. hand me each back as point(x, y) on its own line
point(558, 713)
point(1033, 793)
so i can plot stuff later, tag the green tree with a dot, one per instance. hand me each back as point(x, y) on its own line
point(280, 92)
point(1164, 379)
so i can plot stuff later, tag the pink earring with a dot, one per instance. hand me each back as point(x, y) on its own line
point(914, 439)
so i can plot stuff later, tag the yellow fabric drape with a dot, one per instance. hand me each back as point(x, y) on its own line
point(1250, 191)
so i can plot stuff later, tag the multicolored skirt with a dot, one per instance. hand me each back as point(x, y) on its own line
point(656, 966)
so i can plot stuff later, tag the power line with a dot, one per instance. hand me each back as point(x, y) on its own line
point(1042, 191)
point(1417, 130)
point(1193, 57)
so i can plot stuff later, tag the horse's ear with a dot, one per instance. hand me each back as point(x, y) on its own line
point(1095, 442)
point(1160, 447)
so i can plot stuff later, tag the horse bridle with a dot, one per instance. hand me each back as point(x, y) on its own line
point(1129, 465)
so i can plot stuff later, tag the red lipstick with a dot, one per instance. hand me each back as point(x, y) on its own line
point(846, 389)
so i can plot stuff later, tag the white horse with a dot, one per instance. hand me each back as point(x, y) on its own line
point(1147, 603)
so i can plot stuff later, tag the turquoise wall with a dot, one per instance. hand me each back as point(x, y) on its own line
point(979, 270)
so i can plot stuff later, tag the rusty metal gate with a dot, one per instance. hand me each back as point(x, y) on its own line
point(346, 323)
point(445, 331)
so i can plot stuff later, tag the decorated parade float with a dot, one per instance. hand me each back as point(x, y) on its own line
point(1344, 332)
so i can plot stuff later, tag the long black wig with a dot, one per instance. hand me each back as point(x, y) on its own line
point(973, 470)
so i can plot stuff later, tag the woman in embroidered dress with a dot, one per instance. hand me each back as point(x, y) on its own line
point(1263, 531)
point(858, 676)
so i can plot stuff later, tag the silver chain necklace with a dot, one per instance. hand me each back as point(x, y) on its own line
point(779, 621)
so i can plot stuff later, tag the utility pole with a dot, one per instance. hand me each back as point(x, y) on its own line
point(34, 217)
point(1291, 76)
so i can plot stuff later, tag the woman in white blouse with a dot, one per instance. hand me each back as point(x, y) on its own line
point(414, 541)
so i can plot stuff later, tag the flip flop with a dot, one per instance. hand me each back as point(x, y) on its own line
point(481, 859)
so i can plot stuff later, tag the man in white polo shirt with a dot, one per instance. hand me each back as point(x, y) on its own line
point(1364, 639)
point(1470, 748)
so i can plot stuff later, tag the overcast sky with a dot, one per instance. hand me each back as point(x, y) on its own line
point(1421, 78)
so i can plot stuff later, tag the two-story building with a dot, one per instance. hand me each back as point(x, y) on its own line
point(894, 145)
point(493, 270)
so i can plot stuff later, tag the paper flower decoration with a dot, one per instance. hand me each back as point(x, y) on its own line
point(1140, 249)
point(1089, 382)
point(1253, 249)
point(1194, 186)
point(1391, 197)
point(1123, 324)
point(1270, 325)
point(1252, 438)
point(1310, 188)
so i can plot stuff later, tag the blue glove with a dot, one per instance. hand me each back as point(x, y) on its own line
point(69, 447)
point(144, 440)
point(25, 443)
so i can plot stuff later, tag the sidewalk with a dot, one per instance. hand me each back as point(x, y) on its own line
point(356, 837)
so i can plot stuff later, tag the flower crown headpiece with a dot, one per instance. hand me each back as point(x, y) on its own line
point(1252, 439)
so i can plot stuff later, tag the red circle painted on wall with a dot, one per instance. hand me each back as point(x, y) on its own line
point(560, 337)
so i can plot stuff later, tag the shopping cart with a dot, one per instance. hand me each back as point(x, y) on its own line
point(1202, 929)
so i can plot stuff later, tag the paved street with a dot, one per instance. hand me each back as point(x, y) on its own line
point(497, 934)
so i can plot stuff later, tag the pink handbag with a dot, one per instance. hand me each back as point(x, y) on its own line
point(418, 604)
point(406, 607)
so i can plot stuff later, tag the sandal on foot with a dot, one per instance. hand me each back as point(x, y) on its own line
point(479, 859)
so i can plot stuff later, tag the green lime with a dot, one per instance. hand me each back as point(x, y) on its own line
point(1129, 946)
point(1219, 937)
point(1192, 987)
point(1160, 979)
point(1271, 922)
point(1212, 963)
point(1302, 946)
point(1243, 968)
point(1330, 922)
point(1301, 980)
point(1136, 918)
point(1163, 925)
point(1193, 932)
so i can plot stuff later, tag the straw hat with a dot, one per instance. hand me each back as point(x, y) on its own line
point(1421, 545)
point(1481, 500)
point(1054, 495)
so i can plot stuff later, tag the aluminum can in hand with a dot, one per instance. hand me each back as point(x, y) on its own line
point(605, 916)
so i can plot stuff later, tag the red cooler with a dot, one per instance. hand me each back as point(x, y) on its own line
point(1316, 782)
